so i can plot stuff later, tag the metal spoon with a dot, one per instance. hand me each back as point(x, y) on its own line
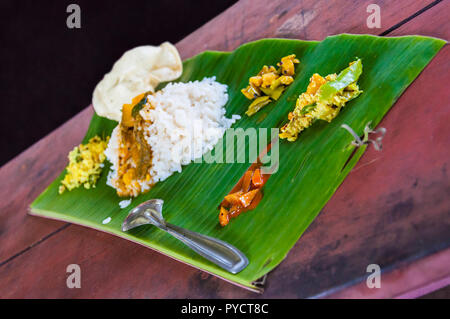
point(219, 252)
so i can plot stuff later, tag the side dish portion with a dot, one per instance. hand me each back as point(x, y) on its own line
point(244, 196)
point(323, 99)
point(85, 165)
point(269, 83)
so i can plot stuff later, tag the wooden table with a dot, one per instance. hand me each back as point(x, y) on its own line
point(392, 210)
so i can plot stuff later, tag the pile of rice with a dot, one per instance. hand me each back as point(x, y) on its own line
point(182, 122)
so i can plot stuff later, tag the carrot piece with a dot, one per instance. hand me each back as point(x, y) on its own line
point(235, 210)
point(233, 198)
point(223, 216)
point(246, 181)
point(257, 179)
point(137, 99)
point(127, 119)
point(255, 200)
point(247, 198)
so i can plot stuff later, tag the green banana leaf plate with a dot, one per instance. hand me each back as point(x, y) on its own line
point(310, 169)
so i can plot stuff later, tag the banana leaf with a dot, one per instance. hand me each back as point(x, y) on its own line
point(310, 169)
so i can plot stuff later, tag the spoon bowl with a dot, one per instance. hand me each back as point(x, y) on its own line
point(217, 251)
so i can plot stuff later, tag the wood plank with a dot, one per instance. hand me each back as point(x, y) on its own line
point(109, 268)
point(397, 283)
point(413, 280)
point(249, 20)
point(280, 18)
point(27, 175)
point(104, 256)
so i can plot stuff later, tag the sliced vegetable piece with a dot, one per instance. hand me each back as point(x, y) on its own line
point(235, 210)
point(224, 218)
point(315, 83)
point(233, 198)
point(308, 108)
point(138, 98)
point(251, 91)
point(268, 78)
point(258, 104)
point(257, 179)
point(286, 80)
point(273, 93)
point(139, 105)
point(127, 119)
point(255, 80)
point(287, 64)
point(344, 79)
point(127, 110)
point(246, 181)
point(246, 199)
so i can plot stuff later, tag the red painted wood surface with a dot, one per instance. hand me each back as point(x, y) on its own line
point(410, 281)
point(393, 207)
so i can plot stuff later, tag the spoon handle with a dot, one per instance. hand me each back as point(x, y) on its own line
point(219, 252)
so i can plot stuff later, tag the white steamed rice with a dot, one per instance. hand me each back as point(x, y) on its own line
point(186, 121)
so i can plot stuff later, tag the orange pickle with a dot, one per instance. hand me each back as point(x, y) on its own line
point(244, 196)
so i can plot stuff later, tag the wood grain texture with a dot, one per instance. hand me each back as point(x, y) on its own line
point(25, 177)
point(250, 20)
point(392, 208)
point(413, 280)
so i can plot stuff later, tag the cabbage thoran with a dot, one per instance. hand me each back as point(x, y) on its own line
point(85, 165)
point(323, 99)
